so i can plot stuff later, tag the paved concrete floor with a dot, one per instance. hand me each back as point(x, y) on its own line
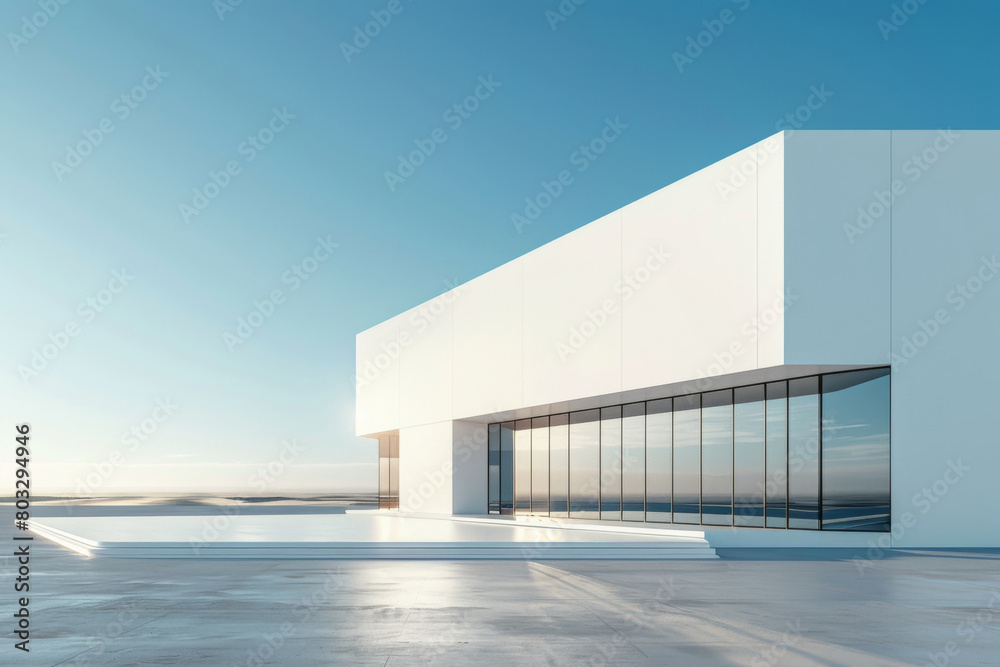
point(749, 608)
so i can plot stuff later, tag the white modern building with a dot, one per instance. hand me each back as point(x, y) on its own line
point(798, 338)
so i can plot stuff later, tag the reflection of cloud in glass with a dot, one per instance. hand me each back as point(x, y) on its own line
point(856, 448)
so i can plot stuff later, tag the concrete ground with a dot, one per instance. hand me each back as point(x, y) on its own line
point(751, 607)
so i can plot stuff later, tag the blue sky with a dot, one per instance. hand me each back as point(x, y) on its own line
point(330, 121)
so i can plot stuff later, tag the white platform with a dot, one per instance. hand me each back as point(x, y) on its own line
point(358, 535)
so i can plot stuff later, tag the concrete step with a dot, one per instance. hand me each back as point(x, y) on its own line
point(338, 537)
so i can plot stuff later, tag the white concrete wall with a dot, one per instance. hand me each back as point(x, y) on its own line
point(838, 283)
point(377, 353)
point(426, 468)
point(572, 315)
point(470, 451)
point(768, 330)
point(425, 365)
point(945, 384)
point(684, 322)
point(488, 316)
point(443, 467)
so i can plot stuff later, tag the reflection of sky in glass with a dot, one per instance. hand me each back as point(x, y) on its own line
point(717, 457)
point(585, 460)
point(687, 459)
point(748, 456)
point(856, 436)
point(540, 465)
point(559, 463)
point(803, 453)
point(659, 487)
point(633, 461)
point(522, 461)
point(701, 458)
point(611, 462)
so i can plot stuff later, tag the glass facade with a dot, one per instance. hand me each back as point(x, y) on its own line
point(776, 452)
point(388, 471)
point(522, 466)
point(806, 453)
point(611, 464)
point(493, 442)
point(659, 460)
point(559, 465)
point(585, 464)
point(540, 465)
point(634, 462)
point(855, 480)
point(687, 459)
point(803, 453)
point(507, 468)
point(717, 458)
point(748, 456)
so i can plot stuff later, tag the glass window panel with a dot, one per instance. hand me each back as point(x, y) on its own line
point(394, 471)
point(611, 463)
point(717, 458)
point(540, 465)
point(634, 462)
point(748, 456)
point(856, 450)
point(493, 438)
point(803, 453)
point(687, 459)
point(559, 465)
point(507, 468)
point(776, 483)
point(659, 469)
point(383, 471)
point(585, 464)
point(522, 466)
